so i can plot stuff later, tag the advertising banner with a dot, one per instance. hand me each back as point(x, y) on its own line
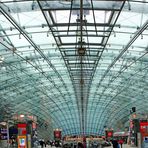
point(22, 142)
point(22, 128)
point(144, 127)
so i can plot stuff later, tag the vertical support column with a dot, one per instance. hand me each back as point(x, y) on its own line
point(81, 46)
point(29, 134)
point(8, 138)
point(136, 130)
point(139, 140)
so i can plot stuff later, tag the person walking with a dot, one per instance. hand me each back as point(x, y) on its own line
point(121, 142)
point(115, 143)
point(41, 143)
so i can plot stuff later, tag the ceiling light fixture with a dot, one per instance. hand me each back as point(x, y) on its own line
point(81, 51)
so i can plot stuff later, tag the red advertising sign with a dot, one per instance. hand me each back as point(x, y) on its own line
point(143, 127)
point(22, 125)
point(110, 134)
point(57, 134)
point(22, 128)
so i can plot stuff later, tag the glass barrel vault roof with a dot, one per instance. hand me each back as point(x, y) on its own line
point(77, 65)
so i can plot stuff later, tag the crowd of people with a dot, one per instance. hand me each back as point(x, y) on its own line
point(115, 143)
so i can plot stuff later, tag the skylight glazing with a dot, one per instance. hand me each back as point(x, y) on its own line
point(79, 66)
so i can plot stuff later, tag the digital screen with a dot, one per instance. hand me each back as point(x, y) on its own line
point(3, 131)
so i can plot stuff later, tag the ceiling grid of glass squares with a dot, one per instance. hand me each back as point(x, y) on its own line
point(80, 64)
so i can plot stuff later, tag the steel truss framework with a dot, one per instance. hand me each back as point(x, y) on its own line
point(77, 65)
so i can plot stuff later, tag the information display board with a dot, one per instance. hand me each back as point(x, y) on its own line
point(3, 134)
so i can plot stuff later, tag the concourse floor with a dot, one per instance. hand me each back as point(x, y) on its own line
point(48, 146)
point(123, 146)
